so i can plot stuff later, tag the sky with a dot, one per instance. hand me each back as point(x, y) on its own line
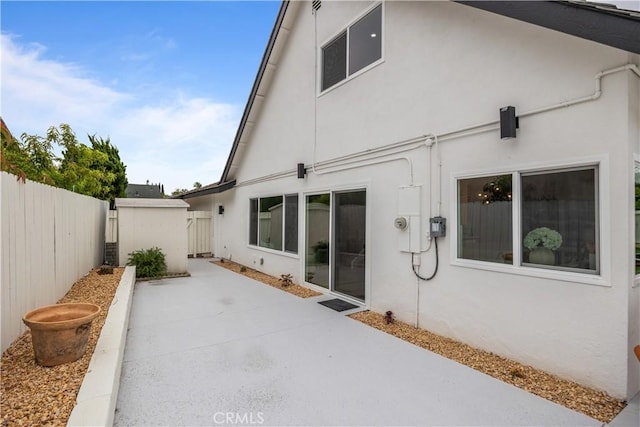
point(166, 81)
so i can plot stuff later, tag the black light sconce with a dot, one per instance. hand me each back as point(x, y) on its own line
point(508, 122)
point(301, 171)
point(220, 209)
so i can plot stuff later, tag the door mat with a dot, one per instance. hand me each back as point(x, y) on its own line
point(338, 304)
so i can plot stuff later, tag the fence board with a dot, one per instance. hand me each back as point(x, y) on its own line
point(199, 232)
point(111, 232)
point(49, 239)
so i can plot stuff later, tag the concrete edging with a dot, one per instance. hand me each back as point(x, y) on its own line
point(96, 400)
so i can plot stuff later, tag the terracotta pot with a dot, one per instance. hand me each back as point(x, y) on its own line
point(60, 332)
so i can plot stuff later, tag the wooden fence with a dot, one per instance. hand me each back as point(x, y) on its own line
point(111, 232)
point(198, 230)
point(49, 239)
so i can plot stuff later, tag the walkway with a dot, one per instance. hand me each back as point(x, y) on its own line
point(221, 349)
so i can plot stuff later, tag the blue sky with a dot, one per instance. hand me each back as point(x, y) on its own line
point(166, 81)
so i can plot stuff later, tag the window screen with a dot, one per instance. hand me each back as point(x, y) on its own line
point(365, 46)
point(334, 61)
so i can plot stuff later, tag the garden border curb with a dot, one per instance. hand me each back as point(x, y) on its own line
point(96, 400)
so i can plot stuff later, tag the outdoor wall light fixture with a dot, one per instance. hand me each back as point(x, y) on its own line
point(508, 122)
point(220, 209)
point(301, 171)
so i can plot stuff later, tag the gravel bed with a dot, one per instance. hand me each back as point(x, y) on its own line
point(594, 403)
point(35, 395)
point(294, 289)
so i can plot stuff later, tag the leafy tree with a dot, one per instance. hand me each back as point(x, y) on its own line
point(113, 165)
point(96, 171)
point(197, 185)
point(81, 169)
point(31, 157)
point(178, 191)
point(12, 157)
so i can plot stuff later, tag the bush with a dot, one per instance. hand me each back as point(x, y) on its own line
point(149, 262)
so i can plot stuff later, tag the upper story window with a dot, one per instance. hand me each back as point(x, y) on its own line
point(352, 50)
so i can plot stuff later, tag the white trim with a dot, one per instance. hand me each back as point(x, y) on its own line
point(282, 251)
point(601, 163)
point(563, 276)
point(273, 251)
point(345, 29)
point(636, 277)
point(366, 186)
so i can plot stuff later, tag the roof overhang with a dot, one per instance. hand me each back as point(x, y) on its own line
point(600, 23)
point(218, 187)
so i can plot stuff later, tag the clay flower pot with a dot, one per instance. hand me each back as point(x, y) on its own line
point(60, 332)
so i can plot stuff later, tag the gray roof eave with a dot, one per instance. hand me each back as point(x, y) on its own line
point(610, 26)
point(216, 188)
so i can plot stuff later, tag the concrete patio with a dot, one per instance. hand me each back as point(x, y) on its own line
point(221, 349)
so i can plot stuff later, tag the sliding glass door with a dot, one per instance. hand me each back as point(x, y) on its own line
point(318, 216)
point(336, 241)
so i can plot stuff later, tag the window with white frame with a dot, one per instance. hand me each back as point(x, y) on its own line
point(557, 217)
point(637, 216)
point(273, 222)
point(353, 49)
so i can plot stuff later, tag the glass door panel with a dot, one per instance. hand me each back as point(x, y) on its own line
point(318, 215)
point(349, 243)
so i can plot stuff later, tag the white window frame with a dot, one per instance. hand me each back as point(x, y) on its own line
point(346, 30)
point(602, 278)
point(284, 230)
point(636, 162)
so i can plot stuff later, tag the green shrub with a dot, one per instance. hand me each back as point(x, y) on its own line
point(148, 262)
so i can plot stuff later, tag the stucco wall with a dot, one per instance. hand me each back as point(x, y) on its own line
point(148, 223)
point(447, 66)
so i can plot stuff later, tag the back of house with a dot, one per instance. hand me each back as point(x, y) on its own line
point(471, 166)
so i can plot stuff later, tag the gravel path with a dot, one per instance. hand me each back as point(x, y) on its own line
point(34, 395)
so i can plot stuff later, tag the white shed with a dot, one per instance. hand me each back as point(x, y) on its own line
point(147, 223)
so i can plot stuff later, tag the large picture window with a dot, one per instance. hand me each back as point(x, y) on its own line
point(352, 50)
point(273, 222)
point(557, 219)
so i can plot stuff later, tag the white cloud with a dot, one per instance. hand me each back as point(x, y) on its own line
point(175, 142)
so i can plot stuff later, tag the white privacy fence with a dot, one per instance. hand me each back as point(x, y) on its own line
point(111, 232)
point(49, 239)
point(198, 230)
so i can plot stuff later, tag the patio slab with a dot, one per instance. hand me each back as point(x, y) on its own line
point(220, 349)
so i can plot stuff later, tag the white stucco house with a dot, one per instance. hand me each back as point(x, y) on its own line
point(367, 119)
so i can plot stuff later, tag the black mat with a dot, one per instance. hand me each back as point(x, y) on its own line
point(337, 304)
